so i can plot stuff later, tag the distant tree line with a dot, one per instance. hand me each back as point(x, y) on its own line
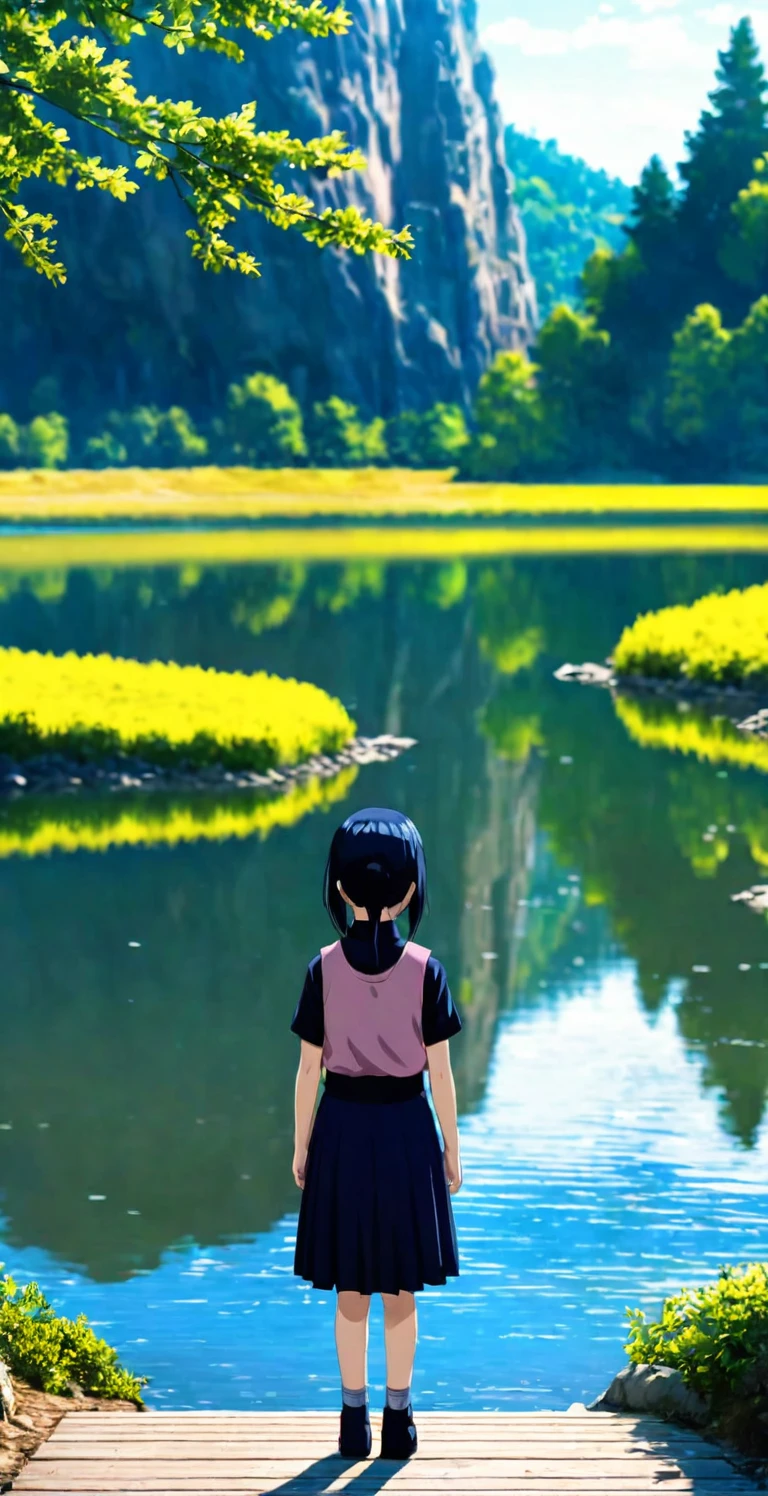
point(262, 426)
point(568, 209)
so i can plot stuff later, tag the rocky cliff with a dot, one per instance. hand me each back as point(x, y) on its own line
point(139, 320)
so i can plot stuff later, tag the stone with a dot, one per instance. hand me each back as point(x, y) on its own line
point(23, 1421)
point(755, 898)
point(758, 722)
point(653, 1389)
point(587, 674)
point(7, 1394)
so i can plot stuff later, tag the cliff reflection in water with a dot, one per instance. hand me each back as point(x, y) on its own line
point(160, 1074)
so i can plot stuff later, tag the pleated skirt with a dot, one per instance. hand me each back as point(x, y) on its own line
point(375, 1213)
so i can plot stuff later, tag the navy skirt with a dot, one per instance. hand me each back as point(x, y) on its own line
point(375, 1214)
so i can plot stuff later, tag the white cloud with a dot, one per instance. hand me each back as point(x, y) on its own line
point(658, 42)
point(648, 7)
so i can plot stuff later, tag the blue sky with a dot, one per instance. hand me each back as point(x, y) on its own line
point(611, 80)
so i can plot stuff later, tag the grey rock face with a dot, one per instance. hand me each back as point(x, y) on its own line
point(653, 1389)
point(139, 320)
point(7, 1394)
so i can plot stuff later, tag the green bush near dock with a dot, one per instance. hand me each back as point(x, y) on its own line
point(49, 1351)
point(716, 1336)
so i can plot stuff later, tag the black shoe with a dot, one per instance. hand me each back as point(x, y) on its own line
point(398, 1434)
point(354, 1433)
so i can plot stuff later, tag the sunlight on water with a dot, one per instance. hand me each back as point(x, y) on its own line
point(613, 1068)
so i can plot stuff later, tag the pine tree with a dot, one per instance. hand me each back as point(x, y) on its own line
point(652, 216)
point(730, 137)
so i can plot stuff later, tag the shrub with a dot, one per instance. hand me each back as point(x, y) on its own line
point(147, 437)
point(92, 706)
point(434, 438)
point(263, 424)
point(45, 441)
point(338, 437)
point(10, 442)
point(510, 439)
point(716, 1336)
point(721, 639)
point(49, 1351)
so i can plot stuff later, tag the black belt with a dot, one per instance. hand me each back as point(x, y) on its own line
point(373, 1087)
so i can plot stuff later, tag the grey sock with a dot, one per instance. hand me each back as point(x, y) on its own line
point(354, 1397)
point(398, 1397)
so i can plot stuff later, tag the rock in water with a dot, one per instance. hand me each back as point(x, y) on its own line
point(653, 1389)
point(410, 87)
point(7, 1394)
point(755, 898)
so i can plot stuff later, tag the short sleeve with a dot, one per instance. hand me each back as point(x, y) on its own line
point(439, 1015)
point(308, 1019)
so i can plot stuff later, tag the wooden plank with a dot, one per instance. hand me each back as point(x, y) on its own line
point(452, 1443)
point(267, 1464)
point(355, 1483)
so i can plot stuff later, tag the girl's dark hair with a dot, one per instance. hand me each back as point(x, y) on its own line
point(376, 855)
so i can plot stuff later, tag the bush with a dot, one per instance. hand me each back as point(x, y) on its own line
point(435, 438)
point(510, 440)
point(147, 437)
point(10, 442)
point(338, 437)
point(45, 441)
point(49, 1351)
point(263, 425)
point(716, 1336)
point(720, 639)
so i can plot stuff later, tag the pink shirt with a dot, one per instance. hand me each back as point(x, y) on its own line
point(373, 1020)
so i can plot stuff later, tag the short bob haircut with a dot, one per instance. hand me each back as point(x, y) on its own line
point(376, 855)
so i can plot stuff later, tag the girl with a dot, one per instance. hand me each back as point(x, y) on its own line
point(375, 1213)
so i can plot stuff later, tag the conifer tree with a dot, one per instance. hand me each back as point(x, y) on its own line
point(722, 152)
point(652, 217)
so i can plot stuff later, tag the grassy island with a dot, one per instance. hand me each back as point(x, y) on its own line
point(720, 640)
point(89, 707)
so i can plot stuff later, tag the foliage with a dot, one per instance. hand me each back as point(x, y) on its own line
point(49, 1351)
point(720, 639)
point(92, 706)
point(45, 441)
point(434, 438)
point(147, 436)
point(10, 442)
point(338, 437)
point(698, 379)
point(568, 210)
point(50, 56)
point(510, 439)
point(36, 826)
point(264, 425)
point(716, 1336)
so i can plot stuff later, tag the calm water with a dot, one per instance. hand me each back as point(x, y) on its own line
point(613, 1068)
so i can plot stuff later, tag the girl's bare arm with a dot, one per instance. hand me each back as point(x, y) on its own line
point(307, 1082)
point(444, 1097)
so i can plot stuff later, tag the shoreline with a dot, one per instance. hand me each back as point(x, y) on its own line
point(56, 774)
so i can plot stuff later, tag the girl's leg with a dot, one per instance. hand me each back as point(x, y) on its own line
point(352, 1338)
point(399, 1338)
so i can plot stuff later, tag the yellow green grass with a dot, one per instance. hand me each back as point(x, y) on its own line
point(92, 705)
point(720, 639)
point(712, 739)
point(35, 827)
point(144, 494)
point(46, 552)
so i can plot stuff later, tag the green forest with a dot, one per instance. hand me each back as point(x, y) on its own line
point(652, 361)
point(568, 209)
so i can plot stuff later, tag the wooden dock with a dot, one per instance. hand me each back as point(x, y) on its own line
point(294, 1454)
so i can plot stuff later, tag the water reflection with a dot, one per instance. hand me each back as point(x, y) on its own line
point(613, 996)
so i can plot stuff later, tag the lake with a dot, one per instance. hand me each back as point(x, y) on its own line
point(612, 1071)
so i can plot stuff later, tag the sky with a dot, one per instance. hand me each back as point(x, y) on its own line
point(612, 81)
